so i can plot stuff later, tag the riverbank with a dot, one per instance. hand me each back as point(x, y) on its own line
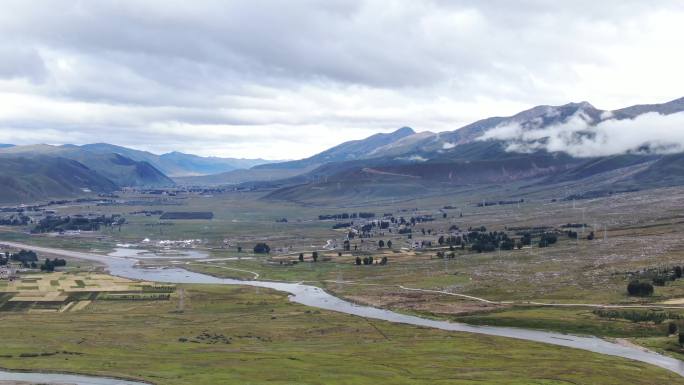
point(238, 334)
point(482, 346)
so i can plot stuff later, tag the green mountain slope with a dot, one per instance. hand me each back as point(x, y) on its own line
point(119, 169)
point(43, 177)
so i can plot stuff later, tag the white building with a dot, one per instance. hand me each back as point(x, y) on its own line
point(8, 272)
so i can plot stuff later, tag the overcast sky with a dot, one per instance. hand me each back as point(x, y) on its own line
point(287, 79)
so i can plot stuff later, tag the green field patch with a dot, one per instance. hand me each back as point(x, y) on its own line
point(134, 297)
point(16, 306)
point(79, 296)
point(566, 320)
point(158, 288)
point(47, 305)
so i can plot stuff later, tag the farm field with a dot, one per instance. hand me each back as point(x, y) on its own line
point(60, 292)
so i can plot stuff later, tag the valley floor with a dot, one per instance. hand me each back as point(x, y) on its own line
point(635, 231)
point(234, 335)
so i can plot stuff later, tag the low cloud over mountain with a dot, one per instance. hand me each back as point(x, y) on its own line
point(580, 136)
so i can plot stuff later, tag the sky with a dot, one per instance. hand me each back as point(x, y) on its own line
point(287, 79)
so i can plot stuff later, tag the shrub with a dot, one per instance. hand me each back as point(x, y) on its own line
point(671, 328)
point(639, 289)
point(262, 248)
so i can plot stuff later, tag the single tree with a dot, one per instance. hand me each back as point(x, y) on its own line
point(672, 328)
point(262, 248)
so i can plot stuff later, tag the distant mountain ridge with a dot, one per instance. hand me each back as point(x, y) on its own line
point(176, 164)
point(460, 158)
point(347, 151)
point(43, 171)
point(399, 162)
point(119, 169)
point(351, 150)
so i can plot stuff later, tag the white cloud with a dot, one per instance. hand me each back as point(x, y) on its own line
point(650, 132)
point(288, 79)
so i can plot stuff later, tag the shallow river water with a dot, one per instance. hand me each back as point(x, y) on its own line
point(316, 297)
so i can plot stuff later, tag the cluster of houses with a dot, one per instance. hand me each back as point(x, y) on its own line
point(8, 272)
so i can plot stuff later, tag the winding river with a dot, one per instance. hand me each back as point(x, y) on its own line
point(316, 297)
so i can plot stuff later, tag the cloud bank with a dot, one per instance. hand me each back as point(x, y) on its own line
point(647, 133)
point(286, 79)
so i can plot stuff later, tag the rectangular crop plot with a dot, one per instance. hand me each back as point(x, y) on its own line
point(187, 215)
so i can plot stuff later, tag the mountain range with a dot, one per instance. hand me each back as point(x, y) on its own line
point(410, 164)
point(42, 171)
point(400, 163)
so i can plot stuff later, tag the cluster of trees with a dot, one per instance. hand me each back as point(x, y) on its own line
point(573, 235)
point(482, 241)
point(346, 216)
point(487, 242)
point(656, 317)
point(668, 274)
point(639, 289)
point(49, 265)
point(481, 229)
point(547, 239)
point(450, 240)
point(573, 225)
point(15, 220)
point(314, 256)
point(660, 277)
point(429, 231)
point(494, 203)
point(382, 244)
point(68, 223)
point(28, 258)
point(135, 297)
point(369, 261)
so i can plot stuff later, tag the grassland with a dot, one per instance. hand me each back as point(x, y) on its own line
point(634, 231)
point(237, 335)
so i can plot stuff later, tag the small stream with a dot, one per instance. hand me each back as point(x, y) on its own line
point(55, 378)
point(316, 297)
